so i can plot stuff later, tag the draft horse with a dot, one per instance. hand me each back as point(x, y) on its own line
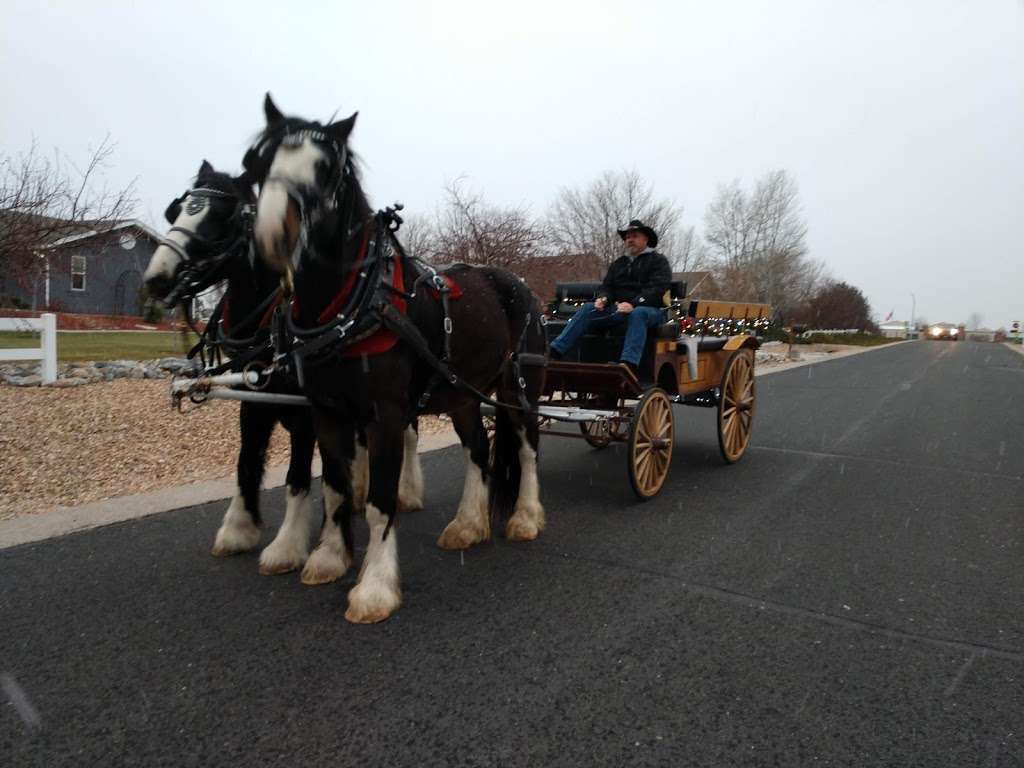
point(210, 241)
point(380, 338)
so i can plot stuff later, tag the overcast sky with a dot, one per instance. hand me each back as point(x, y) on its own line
point(902, 122)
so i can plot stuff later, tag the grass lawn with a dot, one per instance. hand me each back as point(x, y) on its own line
point(79, 346)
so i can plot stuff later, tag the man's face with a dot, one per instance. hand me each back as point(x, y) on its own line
point(635, 242)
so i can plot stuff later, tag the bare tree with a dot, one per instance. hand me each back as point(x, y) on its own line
point(974, 321)
point(419, 237)
point(44, 200)
point(470, 230)
point(757, 243)
point(585, 221)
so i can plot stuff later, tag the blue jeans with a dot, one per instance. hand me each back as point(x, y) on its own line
point(589, 319)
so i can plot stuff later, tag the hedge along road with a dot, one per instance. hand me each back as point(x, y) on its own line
point(847, 594)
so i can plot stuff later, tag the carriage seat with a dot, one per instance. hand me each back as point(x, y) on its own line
point(606, 345)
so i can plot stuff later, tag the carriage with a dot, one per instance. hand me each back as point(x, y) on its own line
point(702, 355)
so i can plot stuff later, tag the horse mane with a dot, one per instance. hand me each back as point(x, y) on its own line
point(224, 182)
point(265, 142)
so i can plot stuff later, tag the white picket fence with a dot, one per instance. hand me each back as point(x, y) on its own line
point(46, 326)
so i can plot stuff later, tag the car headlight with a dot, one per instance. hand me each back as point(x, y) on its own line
point(954, 332)
point(936, 331)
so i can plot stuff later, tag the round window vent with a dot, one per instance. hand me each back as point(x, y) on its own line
point(127, 241)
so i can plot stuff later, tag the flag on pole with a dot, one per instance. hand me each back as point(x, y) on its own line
point(889, 316)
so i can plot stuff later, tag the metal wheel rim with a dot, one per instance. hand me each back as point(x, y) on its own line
point(736, 409)
point(652, 436)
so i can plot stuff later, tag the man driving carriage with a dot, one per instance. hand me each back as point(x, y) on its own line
point(631, 293)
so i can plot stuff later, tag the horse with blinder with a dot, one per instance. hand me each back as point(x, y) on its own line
point(380, 338)
point(209, 241)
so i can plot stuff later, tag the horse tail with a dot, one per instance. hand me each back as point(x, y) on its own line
point(505, 468)
point(513, 426)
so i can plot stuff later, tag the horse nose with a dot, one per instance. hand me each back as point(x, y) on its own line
point(158, 286)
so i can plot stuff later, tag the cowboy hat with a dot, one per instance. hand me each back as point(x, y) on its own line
point(638, 226)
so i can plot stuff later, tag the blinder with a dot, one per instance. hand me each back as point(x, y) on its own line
point(196, 274)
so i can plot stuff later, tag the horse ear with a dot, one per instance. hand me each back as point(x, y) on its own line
point(341, 129)
point(205, 168)
point(173, 211)
point(271, 111)
point(245, 181)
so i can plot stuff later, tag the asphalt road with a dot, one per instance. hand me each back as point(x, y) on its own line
point(850, 593)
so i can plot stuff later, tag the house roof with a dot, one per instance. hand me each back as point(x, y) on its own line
point(102, 228)
point(58, 232)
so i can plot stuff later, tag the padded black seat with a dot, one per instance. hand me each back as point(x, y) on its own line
point(705, 343)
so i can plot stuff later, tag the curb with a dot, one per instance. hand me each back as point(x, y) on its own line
point(96, 514)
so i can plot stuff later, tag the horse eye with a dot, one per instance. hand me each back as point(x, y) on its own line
point(322, 170)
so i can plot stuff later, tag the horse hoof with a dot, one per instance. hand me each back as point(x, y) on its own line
point(232, 540)
point(275, 567)
point(457, 536)
point(371, 605)
point(277, 559)
point(411, 504)
point(323, 568)
point(371, 617)
point(521, 530)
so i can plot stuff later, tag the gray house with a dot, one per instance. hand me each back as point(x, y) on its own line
point(94, 271)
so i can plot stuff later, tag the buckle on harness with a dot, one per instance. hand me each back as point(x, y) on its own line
point(448, 325)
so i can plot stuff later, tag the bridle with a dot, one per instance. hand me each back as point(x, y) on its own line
point(197, 274)
point(316, 205)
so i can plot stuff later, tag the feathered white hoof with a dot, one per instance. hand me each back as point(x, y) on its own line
point(372, 601)
point(462, 534)
point(284, 555)
point(526, 523)
point(290, 548)
point(409, 503)
point(325, 565)
point(238, 533)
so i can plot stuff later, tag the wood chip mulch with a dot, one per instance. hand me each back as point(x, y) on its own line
point(65, 447)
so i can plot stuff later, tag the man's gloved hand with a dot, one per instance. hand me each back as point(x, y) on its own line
point(624, 307)
point(600, 303)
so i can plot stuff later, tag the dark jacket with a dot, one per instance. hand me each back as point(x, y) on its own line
point(641, 281)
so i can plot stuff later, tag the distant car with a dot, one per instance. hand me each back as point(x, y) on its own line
point(941, 331)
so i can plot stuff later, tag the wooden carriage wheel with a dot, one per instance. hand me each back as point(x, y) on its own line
point(651, 436)
point(736, 405)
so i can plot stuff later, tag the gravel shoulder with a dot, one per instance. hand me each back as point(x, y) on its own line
point(67, 447)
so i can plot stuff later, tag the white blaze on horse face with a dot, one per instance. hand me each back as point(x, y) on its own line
point(165, 262)
point(296, 165)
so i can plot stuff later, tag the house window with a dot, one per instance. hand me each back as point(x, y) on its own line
point(78, 273)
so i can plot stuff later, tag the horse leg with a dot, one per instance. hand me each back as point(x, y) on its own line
point(360, 471)
point(528, 518)
point(410, 482)
point(471, 523)
point(290, 548)
point(240, 529)
point(378, 593)
point(517, 437)
point(333, 555)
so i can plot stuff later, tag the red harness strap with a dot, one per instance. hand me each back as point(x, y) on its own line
point(454, 291)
